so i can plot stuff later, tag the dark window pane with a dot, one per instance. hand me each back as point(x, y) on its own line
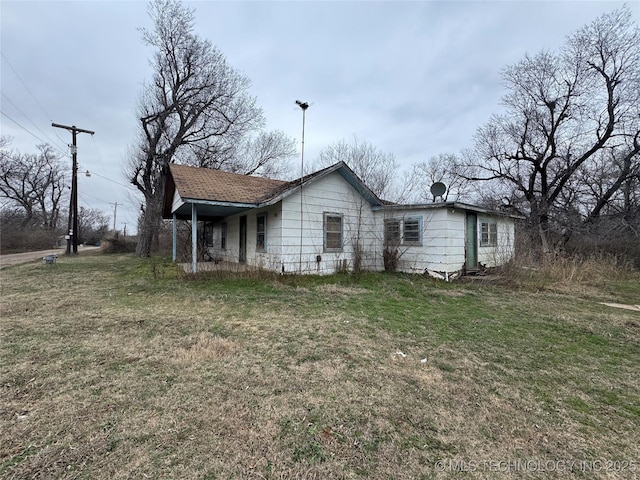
point(412, 231)
point(261, 224)
point(223, 236)
point(392, 231)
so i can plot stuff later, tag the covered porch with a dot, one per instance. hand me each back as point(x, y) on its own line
point(203, 210)
point(201, 194)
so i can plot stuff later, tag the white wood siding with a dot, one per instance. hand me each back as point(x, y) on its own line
point(503, 252)
point(334, 195)
point(177, 201)
point(443, 240)
point(442, 248)
point(295, 241)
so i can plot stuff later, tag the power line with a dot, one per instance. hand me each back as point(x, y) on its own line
point(121, 206)
point(33, 134)
point(51, 142)
point(91, 172)
point(81, 196)
point(95, 145)
point(30, 93)
point(92, 196)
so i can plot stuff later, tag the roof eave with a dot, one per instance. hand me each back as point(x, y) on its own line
point(219, 203)
point(454, 205)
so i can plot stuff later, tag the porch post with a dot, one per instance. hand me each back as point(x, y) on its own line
point(194, 238)
point(175, 239)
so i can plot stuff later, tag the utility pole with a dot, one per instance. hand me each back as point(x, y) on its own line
point(73, 207)
point(115, 211)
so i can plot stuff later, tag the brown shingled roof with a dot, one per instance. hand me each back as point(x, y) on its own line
point(216, 185)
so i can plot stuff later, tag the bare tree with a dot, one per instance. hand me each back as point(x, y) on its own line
point(601, 208)
point(196, 110)
point(445, 168)
point(33, 182)
point(93, 224)
point(265, 154)
point(374, 167)
point(562, 111)
point(613, 182)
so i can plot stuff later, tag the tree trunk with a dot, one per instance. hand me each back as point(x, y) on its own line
point(539, 226)
point(150, 223)
point(543, 230)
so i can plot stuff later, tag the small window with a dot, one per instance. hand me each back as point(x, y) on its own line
point(332, 232)
point(488, 233)
point(223, 236)
point(261, 232)
point(406, 231)
point(392, 231)
point(411, 231)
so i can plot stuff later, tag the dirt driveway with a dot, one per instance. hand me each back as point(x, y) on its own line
point(26, 257)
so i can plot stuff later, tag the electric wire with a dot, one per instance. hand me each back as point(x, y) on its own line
point(84, 200)
point(91, 172)
point(95, 145)
point(51, 141)
point(64, 154)
point(31, 133)
point(31, 93)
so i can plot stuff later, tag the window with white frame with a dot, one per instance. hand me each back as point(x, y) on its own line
point(261, 232)
point(403, 231)
point(332, 232)
point(488, 233)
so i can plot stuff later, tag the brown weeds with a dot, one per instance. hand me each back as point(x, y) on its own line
point(134, 376)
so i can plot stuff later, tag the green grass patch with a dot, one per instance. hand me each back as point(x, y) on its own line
point(113, 366)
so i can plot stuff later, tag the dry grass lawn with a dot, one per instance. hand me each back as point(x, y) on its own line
point(116, 367)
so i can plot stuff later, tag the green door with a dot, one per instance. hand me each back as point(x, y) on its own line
point(471, 242)
point(243, 240)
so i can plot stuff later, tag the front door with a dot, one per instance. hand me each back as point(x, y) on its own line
point(471, 241)
point(243, 240)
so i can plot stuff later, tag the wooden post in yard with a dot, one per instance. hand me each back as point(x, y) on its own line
point(175, 239)
point(194, 238)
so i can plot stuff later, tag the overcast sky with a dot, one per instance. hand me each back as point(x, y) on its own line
point(413, 78)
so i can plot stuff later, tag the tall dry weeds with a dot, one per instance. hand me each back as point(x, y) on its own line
point(566, 272)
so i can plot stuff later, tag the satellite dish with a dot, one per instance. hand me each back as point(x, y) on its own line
point(438, 189)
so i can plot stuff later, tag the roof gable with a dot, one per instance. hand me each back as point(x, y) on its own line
point(203, 185)
point(217, 185)
point(340, 167)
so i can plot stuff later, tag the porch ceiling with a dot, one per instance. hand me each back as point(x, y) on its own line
point(210, 210)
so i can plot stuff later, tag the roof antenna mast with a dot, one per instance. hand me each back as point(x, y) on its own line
point(303, 106)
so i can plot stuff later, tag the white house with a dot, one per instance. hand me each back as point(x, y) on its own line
point(330, 221)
